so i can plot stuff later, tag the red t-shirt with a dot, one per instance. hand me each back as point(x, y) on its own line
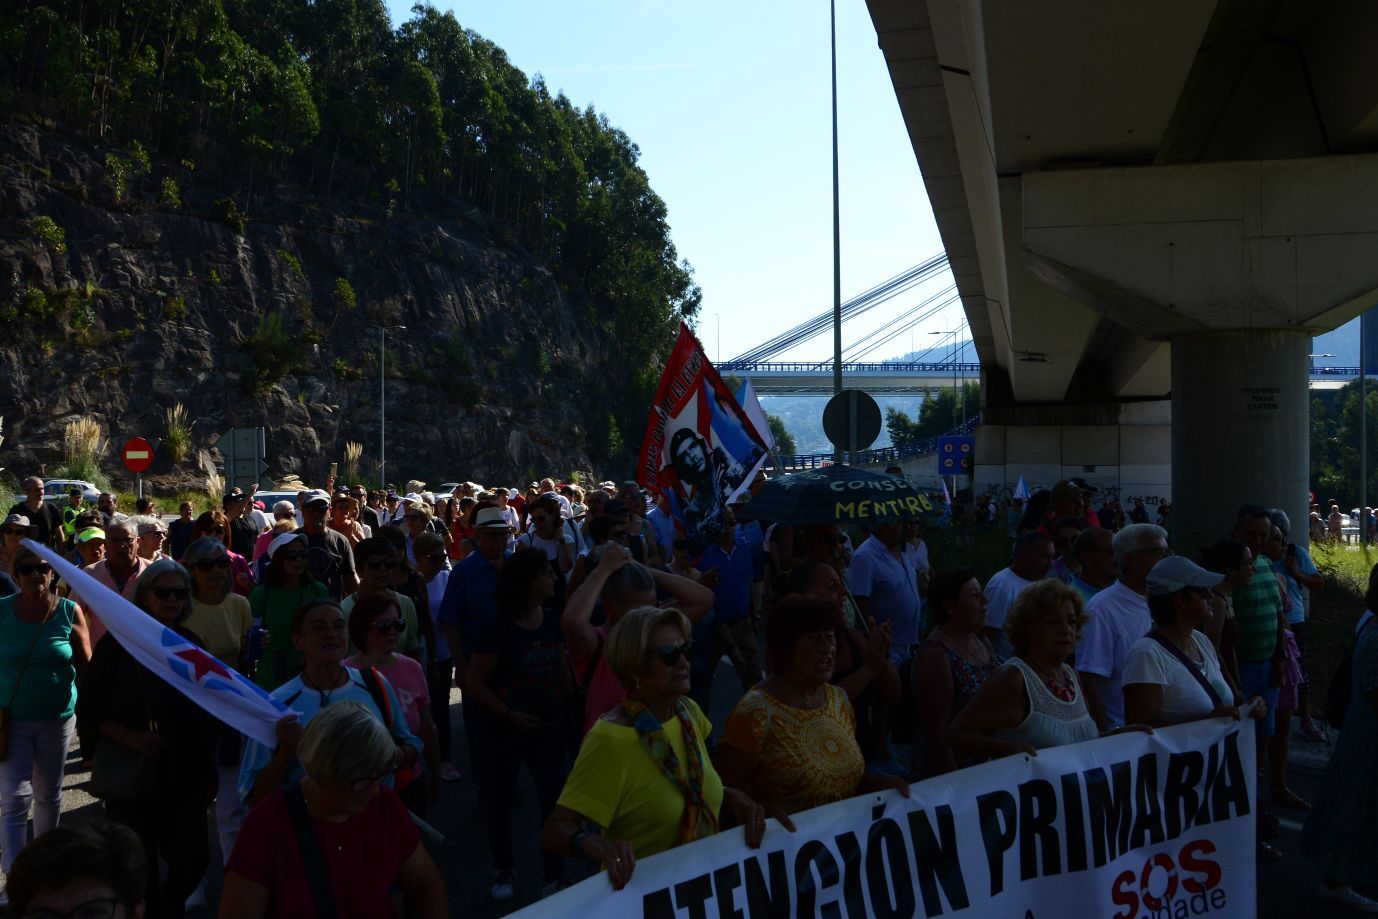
point(363, 856)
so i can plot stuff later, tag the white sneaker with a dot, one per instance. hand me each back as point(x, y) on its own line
point(1347, 896)
point(505, 887)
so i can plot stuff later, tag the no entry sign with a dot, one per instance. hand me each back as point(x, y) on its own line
point(137, 454)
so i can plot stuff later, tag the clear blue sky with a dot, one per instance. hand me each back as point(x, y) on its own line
point(729, 102)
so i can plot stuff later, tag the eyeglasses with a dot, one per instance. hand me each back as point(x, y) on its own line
point(539, 518)
point(123, 540)
point(289, 556)
point(375, 564)
point(208, 564)
point(101, 908)
point(363, 785)
point(668, 654)
point(385, 626)
point(164, 593)
point(15, 531)
point(156, 533)
point(413, 517)
point(220, 530)
point(28, 568)
point(436, 556)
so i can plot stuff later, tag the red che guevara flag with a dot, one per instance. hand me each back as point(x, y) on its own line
point(701, 449)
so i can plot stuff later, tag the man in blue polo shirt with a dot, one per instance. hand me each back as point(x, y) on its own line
point(469, 607)
point(733, 630)
point(886, 588)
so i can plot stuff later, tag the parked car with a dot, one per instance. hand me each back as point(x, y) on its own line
point(269, 498)
point(56, 490)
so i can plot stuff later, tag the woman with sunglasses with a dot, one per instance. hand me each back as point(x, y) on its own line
point(643, 782)
point(519, 675)
point(287, 584)
point(375, 561)
point(460, 518)
point(408, 582)
point(217, 526)
point(375, 628)
point(124, 703)
point(790, 742)
point(43, 643)
point(15, 528)
point(222, 619)
point(364, 841)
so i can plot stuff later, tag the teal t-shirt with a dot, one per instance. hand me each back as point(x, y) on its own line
point(47, 689)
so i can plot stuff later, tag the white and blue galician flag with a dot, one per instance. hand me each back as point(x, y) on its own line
point(1021, 491)
point(221, 691)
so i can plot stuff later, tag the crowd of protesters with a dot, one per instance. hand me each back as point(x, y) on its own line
point(584, 634)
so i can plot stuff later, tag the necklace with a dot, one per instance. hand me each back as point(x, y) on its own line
point(1054, 680)
point(325, 694)
point(973, 649)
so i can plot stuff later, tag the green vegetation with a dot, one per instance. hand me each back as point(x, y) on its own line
point(177, 436)
point(275, 353)
point(344, 293)
point(47, 229)
point(175, 308)
point(82, 447)
point(292, 262)
point(1335, 446)
point(330, 96)
point(938, 414)
point(170, 195)
point(344, 370)
point(784, 440)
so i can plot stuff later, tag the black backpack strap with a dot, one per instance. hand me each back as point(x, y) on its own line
point(1188, 663)
point(380, 698)
point(317, 875)
point(592, 667)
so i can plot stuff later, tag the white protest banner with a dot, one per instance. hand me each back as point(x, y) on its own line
point(1134, 826)
point(220, 690)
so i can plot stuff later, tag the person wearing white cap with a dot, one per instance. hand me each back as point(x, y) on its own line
point(1173, 673)
point(287, 584)
point(339, 576)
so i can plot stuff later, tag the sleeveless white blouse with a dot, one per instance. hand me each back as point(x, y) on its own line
point(1051, 722)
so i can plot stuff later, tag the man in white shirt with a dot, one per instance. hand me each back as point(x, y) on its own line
point(1118, 617)
point(1033, 558)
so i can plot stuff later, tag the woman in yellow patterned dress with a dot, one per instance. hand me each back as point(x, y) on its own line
point(790, 743)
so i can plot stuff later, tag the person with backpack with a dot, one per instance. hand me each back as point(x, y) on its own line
point(1341, 832)
point(318, 633)
point(375, 628)
point(336, 842)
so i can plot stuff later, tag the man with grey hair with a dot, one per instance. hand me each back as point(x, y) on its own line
point(44, 516)
point(119, 570)
point(1032, 559)
point(1118, 617)
point(621, 584)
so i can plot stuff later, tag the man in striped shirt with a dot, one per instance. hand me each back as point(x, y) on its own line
point(1259, 619)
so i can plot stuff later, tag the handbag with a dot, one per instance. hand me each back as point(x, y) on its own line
point(121, 773)
point(14, 693)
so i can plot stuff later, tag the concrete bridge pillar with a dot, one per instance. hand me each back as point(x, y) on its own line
point(1240, 408)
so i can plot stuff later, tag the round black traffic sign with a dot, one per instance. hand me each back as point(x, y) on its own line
point(852, 420)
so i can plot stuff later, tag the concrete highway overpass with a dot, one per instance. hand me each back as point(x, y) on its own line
point(1149, 207)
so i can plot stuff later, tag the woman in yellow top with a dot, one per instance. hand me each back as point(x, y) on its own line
point(643, 782)
point(791, 741)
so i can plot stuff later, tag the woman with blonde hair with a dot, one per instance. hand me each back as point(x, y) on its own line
point(1034, 701)
point(643, 781)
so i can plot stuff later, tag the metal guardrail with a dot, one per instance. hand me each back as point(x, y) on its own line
point(1337, 371)
point(847, 367)
point(879, 456)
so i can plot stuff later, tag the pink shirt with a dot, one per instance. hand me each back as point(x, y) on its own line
point(407, 677)
point(101, 572)
point(605, 690)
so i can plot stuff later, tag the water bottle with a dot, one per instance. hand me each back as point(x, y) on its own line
point(253, 643)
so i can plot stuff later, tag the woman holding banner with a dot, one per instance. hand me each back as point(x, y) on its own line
point(951, 666)
point(643, 782)
point(791, 741)
point(155, 749)
point(42, 643)
point(1035, 700)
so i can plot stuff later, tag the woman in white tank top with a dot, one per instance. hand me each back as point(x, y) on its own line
point(1035, 700)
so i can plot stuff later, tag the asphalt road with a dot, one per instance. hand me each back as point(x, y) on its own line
point(1286, 888)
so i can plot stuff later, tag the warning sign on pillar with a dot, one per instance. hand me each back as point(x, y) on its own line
point(137, 454)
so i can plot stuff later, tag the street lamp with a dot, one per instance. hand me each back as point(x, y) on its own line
point(383, 402)
point(1313, 359)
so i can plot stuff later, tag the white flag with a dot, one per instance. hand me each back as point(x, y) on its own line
point(192, 671)
point(1021, 491)
point(746, 398)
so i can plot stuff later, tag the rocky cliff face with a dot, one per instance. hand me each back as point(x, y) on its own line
point(126, 288)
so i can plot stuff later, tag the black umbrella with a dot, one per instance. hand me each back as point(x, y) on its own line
point(844, 494)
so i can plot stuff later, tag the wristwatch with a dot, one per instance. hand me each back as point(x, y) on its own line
point(576, 842)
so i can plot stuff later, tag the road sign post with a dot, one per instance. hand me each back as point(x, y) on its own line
point(851, 419)
point(137, 454)
point(243, 449)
